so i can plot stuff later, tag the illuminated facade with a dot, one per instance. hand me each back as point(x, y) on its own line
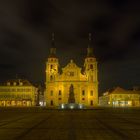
point(119, 97)
point(17, 92)
point(85, 84)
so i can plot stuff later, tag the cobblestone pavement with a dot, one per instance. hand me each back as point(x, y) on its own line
point(43, 124)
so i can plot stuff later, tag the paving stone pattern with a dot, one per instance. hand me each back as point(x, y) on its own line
point(43, 124)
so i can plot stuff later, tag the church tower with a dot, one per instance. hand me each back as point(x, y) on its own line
point(90, 66)
point(52, 63)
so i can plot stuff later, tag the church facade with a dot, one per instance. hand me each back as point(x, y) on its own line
point(82, 81)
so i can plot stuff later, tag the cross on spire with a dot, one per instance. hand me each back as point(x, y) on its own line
point(53, 44)
point(89, 36)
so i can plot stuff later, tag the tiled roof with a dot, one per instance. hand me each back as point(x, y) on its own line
point(119, 90)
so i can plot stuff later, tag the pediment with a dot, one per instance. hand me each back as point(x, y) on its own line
point(71, 66)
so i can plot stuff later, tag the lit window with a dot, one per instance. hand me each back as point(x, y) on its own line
point(21, 84)
point(14, 83)
point(8, 83)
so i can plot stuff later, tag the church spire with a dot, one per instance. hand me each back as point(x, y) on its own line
point(90, 49)
point(53, 48)
point(53, 43)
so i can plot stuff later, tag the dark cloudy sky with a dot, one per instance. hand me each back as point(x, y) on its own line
point(25, 37)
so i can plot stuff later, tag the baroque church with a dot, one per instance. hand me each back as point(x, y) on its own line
point(73, 84)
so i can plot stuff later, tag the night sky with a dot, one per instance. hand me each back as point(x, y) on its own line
point(25, 38)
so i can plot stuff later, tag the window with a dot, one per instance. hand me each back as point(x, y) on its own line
point(24, 102)
point(91, 102)
point(51, 92)
point(51, 103)
point(21, 84)
point(51, 66)
point(91, 93)
point(14, 83)
point(83, 99)
point(28, 90)
point(59, 92)
point(51, 78)
point(91, 66)
point(83, 92)
point(59, 98)
point(13, 90)
point(71, 73)
point(8, 83)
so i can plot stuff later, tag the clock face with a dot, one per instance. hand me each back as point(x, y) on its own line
point(52, 70)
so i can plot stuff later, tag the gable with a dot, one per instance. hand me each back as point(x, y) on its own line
point(71, 71)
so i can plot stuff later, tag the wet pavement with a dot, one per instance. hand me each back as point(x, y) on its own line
point(43, 124)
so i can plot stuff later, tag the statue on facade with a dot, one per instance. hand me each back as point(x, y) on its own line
point(71, 98)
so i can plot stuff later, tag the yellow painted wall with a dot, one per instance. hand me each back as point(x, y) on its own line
point(17, 95)
point(128, 98)
point(71, 74)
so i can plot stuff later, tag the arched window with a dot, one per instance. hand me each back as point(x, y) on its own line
point(59, 93)
point(83, 92)
point(91, 66)
point(51, 66)
point(51, 78)
point(91, 93)
point(51, 103)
